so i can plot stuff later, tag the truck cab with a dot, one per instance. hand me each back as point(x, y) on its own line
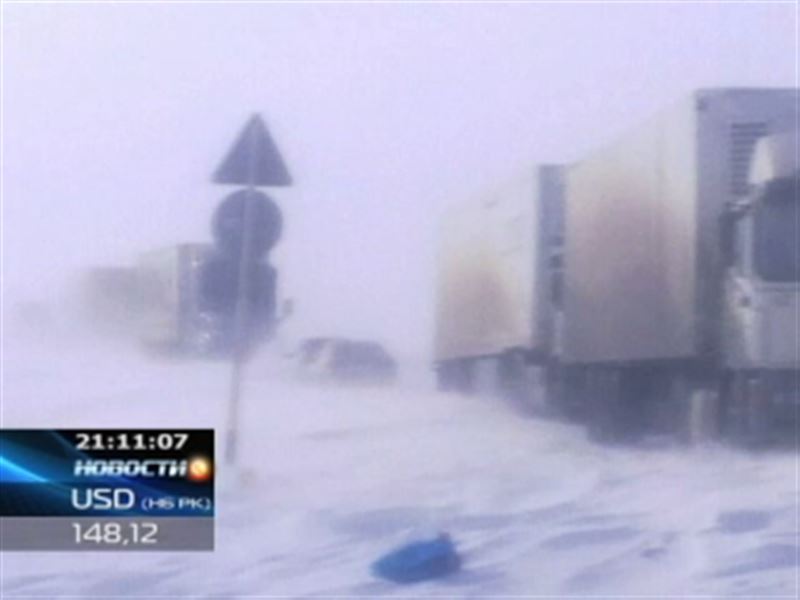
point(761, 244)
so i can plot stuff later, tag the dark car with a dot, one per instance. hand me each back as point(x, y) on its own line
point(346, 360)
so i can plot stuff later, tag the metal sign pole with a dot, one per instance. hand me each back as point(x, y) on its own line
point(252, 161)
point(241, 313)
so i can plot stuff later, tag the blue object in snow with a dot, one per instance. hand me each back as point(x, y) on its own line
point(419, 561)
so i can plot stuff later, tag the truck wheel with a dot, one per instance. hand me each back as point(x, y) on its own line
point(686, 403)
point(605, 415)
point(736, 414)
point(748, 410)
point(443, 378)
point(702, 415)
point(454, 376)
point(758, 409)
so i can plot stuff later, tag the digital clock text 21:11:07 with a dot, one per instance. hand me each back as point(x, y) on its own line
point(131, 441)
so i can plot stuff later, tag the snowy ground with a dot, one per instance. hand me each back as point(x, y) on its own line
point(332, 478)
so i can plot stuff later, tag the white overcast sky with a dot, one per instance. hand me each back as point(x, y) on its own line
point(115, 115)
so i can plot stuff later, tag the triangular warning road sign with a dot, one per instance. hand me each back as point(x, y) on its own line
point(254, 159)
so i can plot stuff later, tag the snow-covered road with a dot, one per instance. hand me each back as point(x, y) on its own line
point(331, 478)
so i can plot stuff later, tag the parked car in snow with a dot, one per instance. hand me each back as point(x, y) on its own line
point(341, 359)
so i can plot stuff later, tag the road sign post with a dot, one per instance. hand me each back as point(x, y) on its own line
point(253, 161)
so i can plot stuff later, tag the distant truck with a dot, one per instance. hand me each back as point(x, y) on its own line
point(174, 316)
point(653, 284)
point(188, 297)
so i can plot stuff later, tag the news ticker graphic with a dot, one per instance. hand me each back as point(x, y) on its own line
point(106, 489)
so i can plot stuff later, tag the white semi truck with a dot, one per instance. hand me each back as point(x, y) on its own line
point(653, 283)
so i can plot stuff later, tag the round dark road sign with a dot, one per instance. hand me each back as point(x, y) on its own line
point(265, 221)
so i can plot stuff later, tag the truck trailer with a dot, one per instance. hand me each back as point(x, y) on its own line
point(656, 285)
point(498, 284)
point(111, 299)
